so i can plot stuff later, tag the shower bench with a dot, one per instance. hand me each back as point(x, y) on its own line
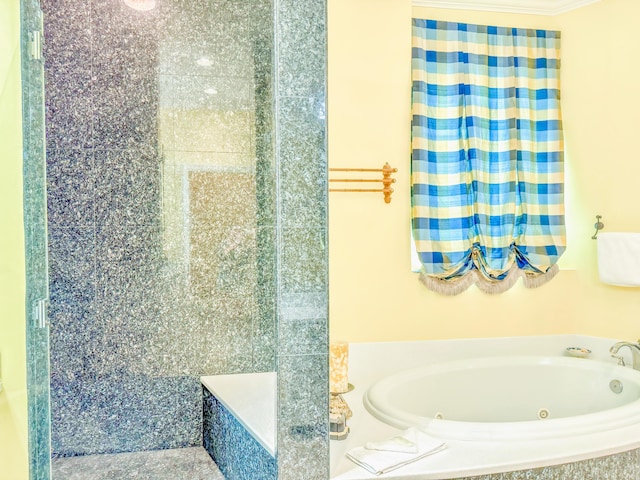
point(239, 424)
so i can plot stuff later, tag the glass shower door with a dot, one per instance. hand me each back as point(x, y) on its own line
point(35, 226)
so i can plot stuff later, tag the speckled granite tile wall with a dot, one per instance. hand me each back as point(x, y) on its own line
point(622, 466)
point(161, 178)
point(300, 65)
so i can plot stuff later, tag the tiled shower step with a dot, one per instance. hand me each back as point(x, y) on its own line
point(191, 463)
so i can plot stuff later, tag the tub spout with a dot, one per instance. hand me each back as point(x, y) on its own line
point(635, 352)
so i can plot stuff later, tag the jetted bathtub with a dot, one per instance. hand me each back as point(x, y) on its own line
point(509, 398)
point(501, 406)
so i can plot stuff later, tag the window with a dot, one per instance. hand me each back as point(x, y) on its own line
point(487, 155)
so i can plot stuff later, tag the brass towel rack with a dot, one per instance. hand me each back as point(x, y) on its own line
point(386, 180)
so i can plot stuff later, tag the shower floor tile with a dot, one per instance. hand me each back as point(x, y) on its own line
point(177, 464)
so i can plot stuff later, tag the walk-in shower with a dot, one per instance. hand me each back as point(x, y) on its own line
point(186, 220)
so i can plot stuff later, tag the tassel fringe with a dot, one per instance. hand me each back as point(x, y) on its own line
point(534, 281)
point(460, 284)
point(449, 287)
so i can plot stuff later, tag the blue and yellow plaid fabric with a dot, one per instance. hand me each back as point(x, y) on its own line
point(487, 149)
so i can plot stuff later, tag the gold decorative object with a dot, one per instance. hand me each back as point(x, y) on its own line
point(339, 410)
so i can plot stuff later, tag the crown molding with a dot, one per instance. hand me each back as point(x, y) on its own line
point(531, 7)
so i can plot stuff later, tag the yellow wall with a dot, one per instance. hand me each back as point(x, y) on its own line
point(13, 403)
point(601, 113)
point(374, 296)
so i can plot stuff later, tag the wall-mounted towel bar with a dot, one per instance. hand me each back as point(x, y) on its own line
point(598, 226)
point(386, 180)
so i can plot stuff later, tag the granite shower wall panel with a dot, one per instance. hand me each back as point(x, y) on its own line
point(302, 430)
point(265, 347)
point(141, 106)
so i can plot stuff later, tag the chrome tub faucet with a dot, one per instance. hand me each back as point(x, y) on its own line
point(635, 352)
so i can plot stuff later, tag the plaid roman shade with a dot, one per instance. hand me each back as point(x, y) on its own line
point(487, 172)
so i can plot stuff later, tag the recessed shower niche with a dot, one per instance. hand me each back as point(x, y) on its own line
point(161, 214)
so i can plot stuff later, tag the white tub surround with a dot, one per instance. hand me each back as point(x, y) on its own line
point(250, 398)
point(372, 362)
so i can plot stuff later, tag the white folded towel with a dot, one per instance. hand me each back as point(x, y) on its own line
point(387, 455)
point(619, 258)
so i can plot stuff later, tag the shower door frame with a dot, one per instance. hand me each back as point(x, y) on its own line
point(36, 240)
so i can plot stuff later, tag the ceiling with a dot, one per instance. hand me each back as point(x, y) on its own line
point(534, 7)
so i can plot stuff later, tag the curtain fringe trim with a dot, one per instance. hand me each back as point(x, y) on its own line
point(459, 284)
